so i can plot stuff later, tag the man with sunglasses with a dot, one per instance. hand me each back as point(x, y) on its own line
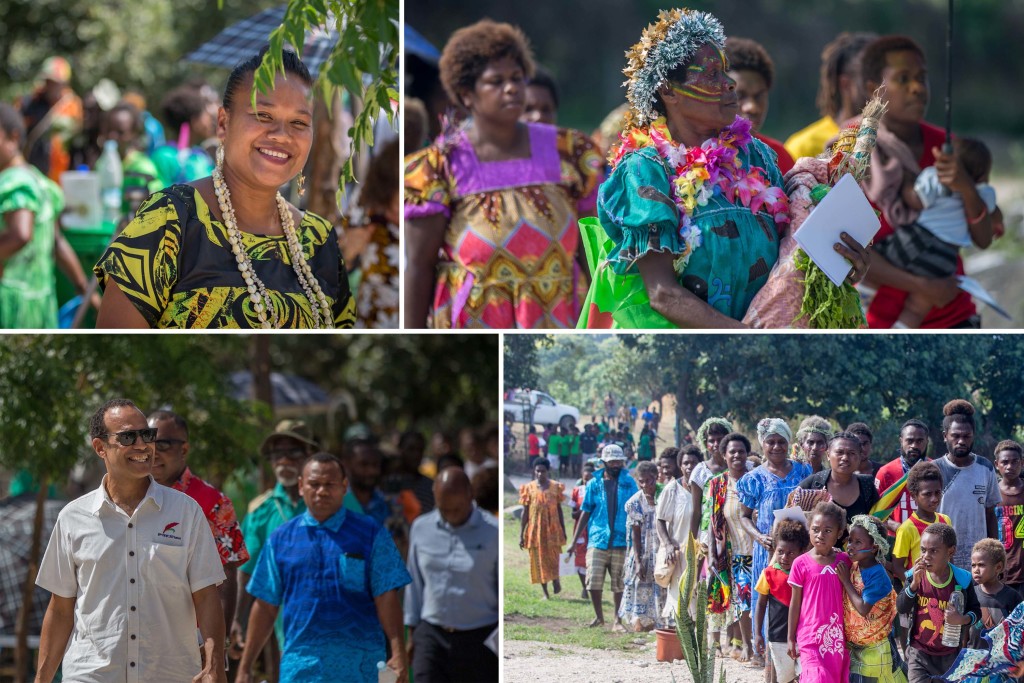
point(133, 569)
point(287, 447)
point(170, 468)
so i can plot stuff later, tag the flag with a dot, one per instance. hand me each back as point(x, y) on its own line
point(890, 497)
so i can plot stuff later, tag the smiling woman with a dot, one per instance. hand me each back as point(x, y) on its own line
point(228, 251)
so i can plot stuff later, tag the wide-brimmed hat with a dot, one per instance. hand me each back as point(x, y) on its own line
point(612, 452)
point(295, 429)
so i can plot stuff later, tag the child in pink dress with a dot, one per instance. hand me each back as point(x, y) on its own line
point(816, 633)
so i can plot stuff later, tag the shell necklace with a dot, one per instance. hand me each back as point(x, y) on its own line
point(262, 304)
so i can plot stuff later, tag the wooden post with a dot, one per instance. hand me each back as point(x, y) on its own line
point(25, 611)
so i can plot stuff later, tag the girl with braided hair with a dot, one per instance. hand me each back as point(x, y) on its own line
point(869, 605)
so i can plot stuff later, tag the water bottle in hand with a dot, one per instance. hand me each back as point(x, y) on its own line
point(951, 632)
point(384, 674)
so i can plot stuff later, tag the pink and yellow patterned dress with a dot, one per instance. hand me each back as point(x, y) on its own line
point(510, 246)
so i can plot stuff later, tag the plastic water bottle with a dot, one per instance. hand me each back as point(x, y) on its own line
point(384, 674)
point(951, 632)
point(108, 168)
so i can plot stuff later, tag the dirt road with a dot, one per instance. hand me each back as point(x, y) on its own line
point(526, 661)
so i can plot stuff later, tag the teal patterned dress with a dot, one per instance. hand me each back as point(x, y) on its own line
point(738, 247)
point(28, 297)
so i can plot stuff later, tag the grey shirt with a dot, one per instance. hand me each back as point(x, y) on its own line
point(454, 572)
point(966, 493)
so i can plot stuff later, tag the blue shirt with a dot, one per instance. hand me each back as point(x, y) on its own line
point(454, 572)
point(324, 576)
point(596, 503)
point(877, 584)
point(378, 508)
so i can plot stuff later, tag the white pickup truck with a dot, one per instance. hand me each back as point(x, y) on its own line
point(544, 409)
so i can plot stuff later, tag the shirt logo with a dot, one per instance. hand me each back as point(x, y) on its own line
point(169, 532)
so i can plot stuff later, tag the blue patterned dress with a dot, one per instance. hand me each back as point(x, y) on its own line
point(641, 600)
point(762, 491)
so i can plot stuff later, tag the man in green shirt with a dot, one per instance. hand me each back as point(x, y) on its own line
point(287, 448)
point(573, 461)
point(555, 448)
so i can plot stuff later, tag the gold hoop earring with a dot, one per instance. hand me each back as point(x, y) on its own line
point(302, 182)
point(220, 157)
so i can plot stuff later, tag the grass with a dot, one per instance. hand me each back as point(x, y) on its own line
point(563, 619)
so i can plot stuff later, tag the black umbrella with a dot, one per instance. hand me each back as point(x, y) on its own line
point(247, 37)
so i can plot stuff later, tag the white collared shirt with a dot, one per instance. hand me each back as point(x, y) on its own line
point(132, 579)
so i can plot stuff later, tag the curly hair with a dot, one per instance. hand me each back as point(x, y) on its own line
point(671, 452)
point(691, 450)
point(745, 54)
point(97, 423)
point(872, 60)
point(991, 549)
point(957, 410)
point(839, 58)
point(920, 473)
point(647, 469)
point(542, 78)
point(733, 436)
point(542, 462)
point(1009, 445)
point(792, 531)
point(472, 48)
point(945, 532)
point(829, 509)
point(181, 105)
point(859, 428)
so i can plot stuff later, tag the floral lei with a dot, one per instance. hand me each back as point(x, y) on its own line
point(699, 173)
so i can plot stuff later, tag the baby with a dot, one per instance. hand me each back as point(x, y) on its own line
point(929, 246)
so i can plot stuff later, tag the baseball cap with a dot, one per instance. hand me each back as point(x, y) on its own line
point(295, 429)
point(55, 69)
point(612, 452)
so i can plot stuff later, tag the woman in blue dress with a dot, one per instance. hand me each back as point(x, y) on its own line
point(765, 489)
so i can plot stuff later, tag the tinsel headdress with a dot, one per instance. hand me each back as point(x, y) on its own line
point(672, 40)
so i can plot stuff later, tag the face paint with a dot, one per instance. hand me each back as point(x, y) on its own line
point(706, 79)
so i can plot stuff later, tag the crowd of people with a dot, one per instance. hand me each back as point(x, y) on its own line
point(201, 227)
point(681, 226)
point(814, 561)
point(350, 566)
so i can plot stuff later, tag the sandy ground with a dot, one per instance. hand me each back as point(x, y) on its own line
point(531, 661)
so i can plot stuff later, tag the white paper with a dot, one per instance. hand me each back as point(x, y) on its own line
point(978, 291)
point(794, 512)
point(844, 209)
point(567, 563)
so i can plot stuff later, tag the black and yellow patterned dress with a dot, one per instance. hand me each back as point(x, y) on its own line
point(174, 263)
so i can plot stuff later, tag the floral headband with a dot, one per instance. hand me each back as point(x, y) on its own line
point(673, 40)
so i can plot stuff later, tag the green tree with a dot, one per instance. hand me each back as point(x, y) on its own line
point(49, 386)
point(364, 63)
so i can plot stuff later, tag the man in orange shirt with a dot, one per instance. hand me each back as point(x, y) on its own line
point(53, 113)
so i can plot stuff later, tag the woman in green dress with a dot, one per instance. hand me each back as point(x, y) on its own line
point(228, 251)
point(694, 203)
point(30, 204)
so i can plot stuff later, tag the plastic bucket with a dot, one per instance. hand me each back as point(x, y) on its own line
point(669, 648)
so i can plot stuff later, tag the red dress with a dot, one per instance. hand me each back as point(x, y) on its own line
point(785, 161)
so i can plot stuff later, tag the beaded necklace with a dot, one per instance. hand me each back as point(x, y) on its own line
point(262, 303)
point(697, 174)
